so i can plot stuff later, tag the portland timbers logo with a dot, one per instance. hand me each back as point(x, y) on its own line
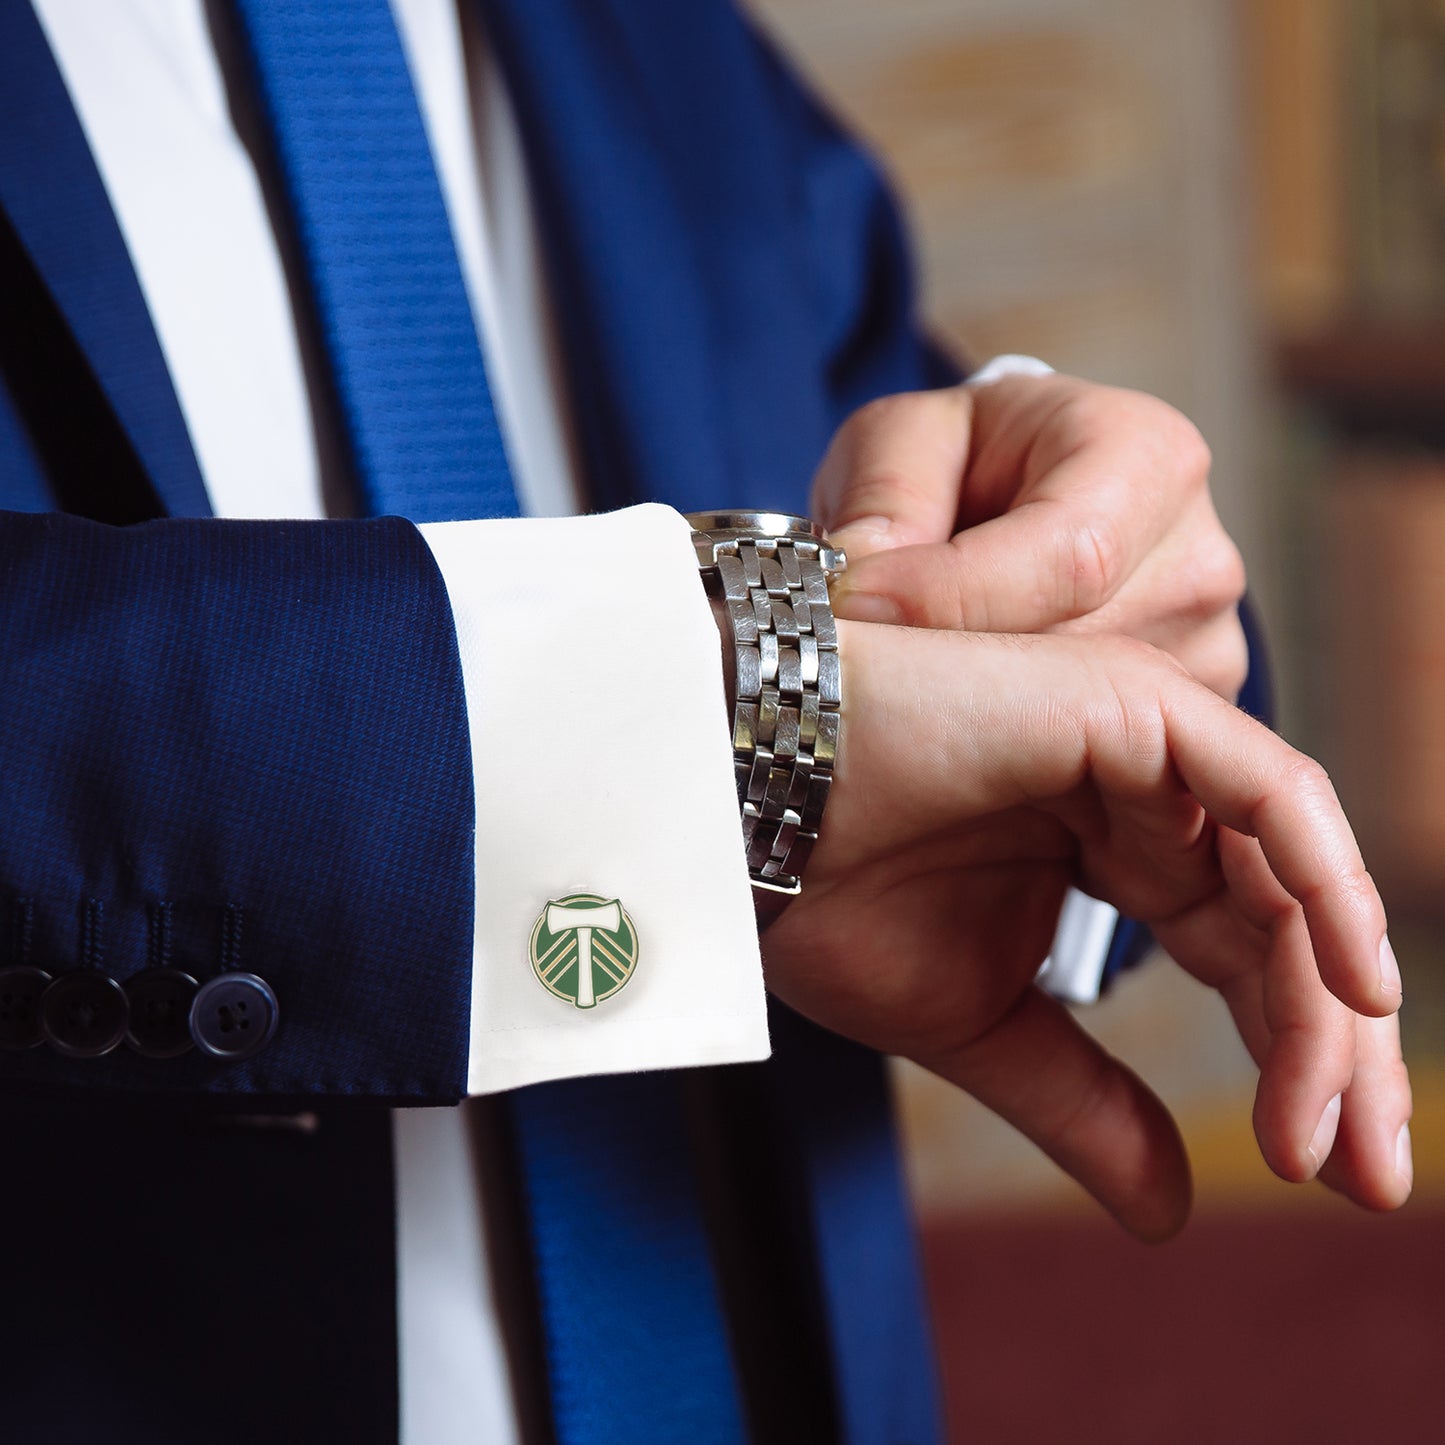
point(584, 948)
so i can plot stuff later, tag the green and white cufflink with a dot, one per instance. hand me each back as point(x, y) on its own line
point(583, 948)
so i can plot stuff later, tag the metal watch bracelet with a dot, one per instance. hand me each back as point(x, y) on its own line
point(771, 571)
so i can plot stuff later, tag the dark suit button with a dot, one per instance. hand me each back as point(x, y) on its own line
point(20, 991)
point(84, 1014)
point(160, 1012)
point(234, 1016)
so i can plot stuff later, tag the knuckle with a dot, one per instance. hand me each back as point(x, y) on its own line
point(1221, 574)
point(1186, 446)
point(1309, 778)
point(1202, 583)
point(880, 454)
point(1229, 671)
point(1134, 677)
point(1084, 414)
point(956, 604)
point(1094, 560)
point(1356, 883)
point(872, 414)
point(1219, 657)
point(1136, 653)
point(851, 438)
point(899, 408)
point(1128, 660)
point(1179, 449)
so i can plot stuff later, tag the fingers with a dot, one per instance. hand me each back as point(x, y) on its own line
point(1302, 1037)
point(1371, 1162)
point(1227, 840)
point(893, 475)
point(1250, 780)
point(1038, 1070)
point(1056, 556)
point(1295, 937)
point(1249, 940)
point(1001, 722)
point(1067, 491)
point(1333, 1097)
point(1184, 599)
point(1215, 653)
point(1309, 1059)
point(1184, 602)
point(1360, 1133)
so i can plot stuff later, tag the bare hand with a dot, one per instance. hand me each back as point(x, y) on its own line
point(980, 777)
point(1036, 504)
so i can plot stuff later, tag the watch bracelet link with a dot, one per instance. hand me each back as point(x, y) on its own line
point(786, 711)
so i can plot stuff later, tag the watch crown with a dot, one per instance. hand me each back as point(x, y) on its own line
point(706, 546)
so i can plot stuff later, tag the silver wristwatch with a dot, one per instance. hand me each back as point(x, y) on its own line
point(771, 571)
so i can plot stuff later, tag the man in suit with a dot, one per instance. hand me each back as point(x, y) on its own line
point(283, 798)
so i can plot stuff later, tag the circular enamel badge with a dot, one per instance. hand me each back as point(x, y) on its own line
point(584, 948)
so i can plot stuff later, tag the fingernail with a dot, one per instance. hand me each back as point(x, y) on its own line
point(1324, 1135)
point(867, 607)
point(1404, 1159)
point(1389, 968)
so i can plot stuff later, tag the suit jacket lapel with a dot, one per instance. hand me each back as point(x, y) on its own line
point(682, 288)
point(56, 202)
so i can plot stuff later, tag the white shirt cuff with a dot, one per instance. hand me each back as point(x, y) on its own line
point(603, 765)
point(1009, 365)
point(1074, 969)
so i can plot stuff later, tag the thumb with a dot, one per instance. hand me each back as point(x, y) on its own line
point(891, 493)
point(1043, 562)
point(1038, 1070)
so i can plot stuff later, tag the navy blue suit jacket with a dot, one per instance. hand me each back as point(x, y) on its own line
point(265, 721)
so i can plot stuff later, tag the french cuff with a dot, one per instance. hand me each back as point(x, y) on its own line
point(603, 770)
point(1008, 365)
point(1074, 969)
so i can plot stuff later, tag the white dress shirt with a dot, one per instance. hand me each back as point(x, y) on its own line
point(560, 806)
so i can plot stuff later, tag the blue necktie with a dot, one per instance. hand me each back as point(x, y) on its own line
point(635, 1340)
point(385, 281)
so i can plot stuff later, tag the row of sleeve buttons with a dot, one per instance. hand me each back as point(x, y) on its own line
point(161, 1013)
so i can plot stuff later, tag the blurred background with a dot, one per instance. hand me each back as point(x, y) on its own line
point(1240, 206)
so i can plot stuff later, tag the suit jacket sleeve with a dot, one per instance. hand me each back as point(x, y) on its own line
point(259, 729)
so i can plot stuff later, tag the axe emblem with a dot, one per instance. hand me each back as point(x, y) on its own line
point(583, 948)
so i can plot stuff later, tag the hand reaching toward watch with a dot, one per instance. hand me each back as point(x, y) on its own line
point(979, 777)
point(982, 775)
point(1035, 504)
